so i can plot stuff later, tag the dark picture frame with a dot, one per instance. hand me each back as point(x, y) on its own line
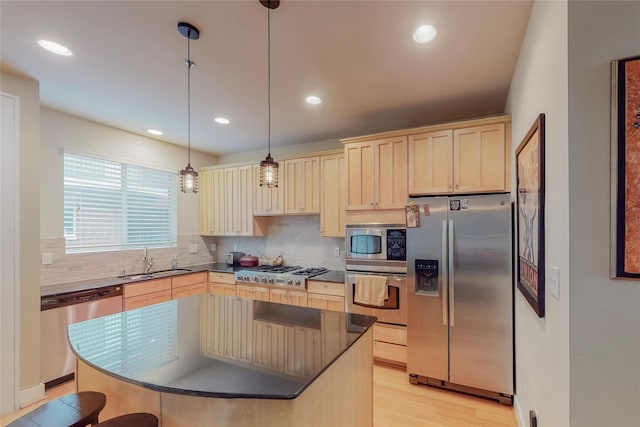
point(625, 168)
point(530, 215)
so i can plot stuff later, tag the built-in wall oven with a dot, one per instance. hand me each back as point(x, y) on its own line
point(377, 251)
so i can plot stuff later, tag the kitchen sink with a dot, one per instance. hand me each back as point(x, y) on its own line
point(138, 276)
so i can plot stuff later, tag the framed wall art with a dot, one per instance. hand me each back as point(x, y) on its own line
point(530, 215)
point(625, 168)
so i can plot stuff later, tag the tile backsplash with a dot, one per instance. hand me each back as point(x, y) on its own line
point(85, 266)
point(296, 238)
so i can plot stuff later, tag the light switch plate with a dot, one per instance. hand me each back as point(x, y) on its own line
point(47, 258)
point(213, 247)
point(554, 281)
point(193, 249)
point(336, 251)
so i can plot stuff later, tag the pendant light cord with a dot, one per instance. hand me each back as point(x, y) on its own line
point(269, 75)
point(189, 101)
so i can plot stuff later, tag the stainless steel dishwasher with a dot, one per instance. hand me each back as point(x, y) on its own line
point(57, 361)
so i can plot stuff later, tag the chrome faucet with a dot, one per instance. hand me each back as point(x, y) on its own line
point(147, 262)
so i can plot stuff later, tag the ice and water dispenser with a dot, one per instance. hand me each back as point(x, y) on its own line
point(427, 273)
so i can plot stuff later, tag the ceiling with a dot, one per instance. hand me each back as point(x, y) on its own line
point(128, 67)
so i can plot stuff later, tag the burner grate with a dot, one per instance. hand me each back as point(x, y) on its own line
point(312, 271)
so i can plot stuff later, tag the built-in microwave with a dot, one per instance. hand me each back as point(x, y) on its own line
point(376, 247)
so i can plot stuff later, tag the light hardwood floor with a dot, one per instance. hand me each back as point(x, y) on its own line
point(395, 402)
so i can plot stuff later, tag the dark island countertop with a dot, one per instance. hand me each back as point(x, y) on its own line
point(216, 346)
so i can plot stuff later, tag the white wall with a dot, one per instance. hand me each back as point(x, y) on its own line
point(61, 130)
point(605, 314)
point(29, 232)
point(540, 85)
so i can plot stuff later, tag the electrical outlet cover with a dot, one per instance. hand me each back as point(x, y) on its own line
point(193, 249)
point(554, 281)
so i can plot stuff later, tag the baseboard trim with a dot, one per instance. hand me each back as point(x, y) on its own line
point(516, 408)
point(30, 395)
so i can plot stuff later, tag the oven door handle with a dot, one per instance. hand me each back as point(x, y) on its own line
point(444, 279)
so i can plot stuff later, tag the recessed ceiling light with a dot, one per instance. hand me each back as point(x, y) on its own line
point(55, 47)
point(221, 120)
point(313, 100)
point(154, 132)
point(424, 34)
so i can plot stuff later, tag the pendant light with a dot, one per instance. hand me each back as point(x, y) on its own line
point(188, 175)
point(268, 167)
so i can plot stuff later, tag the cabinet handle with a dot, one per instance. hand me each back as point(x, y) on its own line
point(457, 186)
point(450, 186)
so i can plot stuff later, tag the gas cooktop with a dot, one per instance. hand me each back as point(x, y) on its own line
point(282, 275)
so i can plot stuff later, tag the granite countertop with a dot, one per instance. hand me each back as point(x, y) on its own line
point(220, 267)
point(179, 346)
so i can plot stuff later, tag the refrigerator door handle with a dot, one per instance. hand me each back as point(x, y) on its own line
point(452, 317)
point(443, 290)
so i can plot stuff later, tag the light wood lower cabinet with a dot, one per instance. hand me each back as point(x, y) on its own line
point(390, 343)
point(325, 295)
point(148, 292)
point(259, 293)
point(187, 285)
point(284, 296)
point(222, 284)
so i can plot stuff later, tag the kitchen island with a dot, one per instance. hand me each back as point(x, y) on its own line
point(210, 360)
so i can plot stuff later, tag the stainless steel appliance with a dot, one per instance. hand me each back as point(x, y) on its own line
point(377, 250)
point(460, 328)
point(394, 309)
point(376, 247)
point(279, 275)
point(233, 258)
point(58, 311)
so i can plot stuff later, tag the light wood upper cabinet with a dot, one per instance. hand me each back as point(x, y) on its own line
point(212, 202)
point(239, 219)
point(377, 173)
point(479, 159)
point(332, 195)
point(267, 201)
point(459, 161)
point(302, 186)
point(430, 162)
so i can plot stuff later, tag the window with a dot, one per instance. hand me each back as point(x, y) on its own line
point(109, 205)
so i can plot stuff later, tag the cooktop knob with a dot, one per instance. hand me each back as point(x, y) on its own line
point(255, 279)
point(264, 280)
point(271, 280)
point(297, 282)
point(289, 281)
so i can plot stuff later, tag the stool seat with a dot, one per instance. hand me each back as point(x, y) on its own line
point(139, 419)
point(73, 410)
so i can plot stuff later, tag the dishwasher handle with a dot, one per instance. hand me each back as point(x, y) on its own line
point(79, 297)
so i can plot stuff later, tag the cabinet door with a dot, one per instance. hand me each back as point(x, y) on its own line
point(479, 159)
point(334, 335)
point(390, 173)
point(239, 201)
point(332, 195)
point(297, 298)
point(213, 328)
point(268, 345)
point(261, 293)
point(267, 201)
point(212, 202)
point(279, 296)
point(245, 291)
point(225, 289)
point(189, 290)
point(232, 202)
point(326, 302)
point(359, 158)
point(302, 185)
point(206, 203)
point(431, 163)
point(239, 329)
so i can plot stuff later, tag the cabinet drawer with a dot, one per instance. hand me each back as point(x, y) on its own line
point(189, 290)
point(147, 299)
point(326, 288)
point(147, 287)
point(215, 276)
point(390, 334)
point(222, 289)
point(188, 279)
point(392, 352)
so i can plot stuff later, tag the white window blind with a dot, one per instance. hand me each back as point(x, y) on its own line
point(110, 205)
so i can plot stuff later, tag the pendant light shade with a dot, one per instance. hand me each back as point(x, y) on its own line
point(188, 175)
point(269, 167)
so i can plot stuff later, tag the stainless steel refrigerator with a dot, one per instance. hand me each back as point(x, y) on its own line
point(460, 318)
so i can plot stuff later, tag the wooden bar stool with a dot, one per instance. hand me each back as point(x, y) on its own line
point(73, 410)
point(139, 419)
